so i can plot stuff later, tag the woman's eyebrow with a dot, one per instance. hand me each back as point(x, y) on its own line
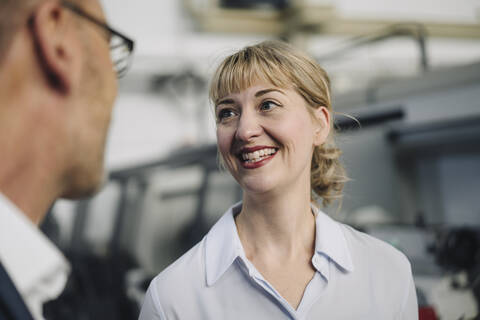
point(262, 92)
point(224, 101)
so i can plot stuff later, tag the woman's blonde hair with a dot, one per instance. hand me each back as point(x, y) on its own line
point(283, 66)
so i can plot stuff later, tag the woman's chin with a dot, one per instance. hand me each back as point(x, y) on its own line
point(257, 186)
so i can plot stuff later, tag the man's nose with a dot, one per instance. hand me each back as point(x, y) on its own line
point(249, 127)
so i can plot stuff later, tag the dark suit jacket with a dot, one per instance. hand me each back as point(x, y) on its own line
point(12, 306)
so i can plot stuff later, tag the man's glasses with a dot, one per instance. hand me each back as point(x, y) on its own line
point(121, 47)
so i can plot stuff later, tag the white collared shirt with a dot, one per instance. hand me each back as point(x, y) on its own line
point(37, 268)
point(358, 277)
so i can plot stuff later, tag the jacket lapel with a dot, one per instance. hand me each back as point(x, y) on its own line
point(12, 306)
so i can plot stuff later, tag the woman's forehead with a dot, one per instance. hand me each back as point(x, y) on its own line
point(236, 86)
point(256, 89)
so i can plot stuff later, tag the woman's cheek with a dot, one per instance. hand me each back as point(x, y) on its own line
point(224, 141)
point(220, 140)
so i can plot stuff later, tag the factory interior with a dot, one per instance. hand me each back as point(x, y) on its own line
point(406, 94)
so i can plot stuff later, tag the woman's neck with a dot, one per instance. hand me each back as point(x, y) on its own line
point(280, 225)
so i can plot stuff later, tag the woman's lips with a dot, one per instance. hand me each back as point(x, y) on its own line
point(255, 157)
point(257, 164)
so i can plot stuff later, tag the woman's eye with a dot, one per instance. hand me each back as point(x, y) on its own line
point(225, 114)
point(268, 105)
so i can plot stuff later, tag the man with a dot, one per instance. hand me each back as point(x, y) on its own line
point(57, 89)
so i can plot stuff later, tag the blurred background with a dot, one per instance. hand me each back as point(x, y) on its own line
point(409, 71)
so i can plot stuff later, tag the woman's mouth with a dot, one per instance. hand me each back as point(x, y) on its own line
point(256, 157)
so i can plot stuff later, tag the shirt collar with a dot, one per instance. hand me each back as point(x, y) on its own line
point(330, 242)
point(31, 260)
point(223, 246)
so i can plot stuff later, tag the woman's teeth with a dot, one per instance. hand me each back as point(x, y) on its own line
point(258, 155)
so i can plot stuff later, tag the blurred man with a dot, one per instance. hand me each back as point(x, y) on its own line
point(57, 88)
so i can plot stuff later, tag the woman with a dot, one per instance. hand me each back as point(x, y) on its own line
point(275, 255)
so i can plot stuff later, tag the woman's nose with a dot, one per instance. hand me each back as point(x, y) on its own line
point(248, 127)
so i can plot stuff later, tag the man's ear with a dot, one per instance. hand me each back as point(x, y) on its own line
point(52, 32)
point(322, 123)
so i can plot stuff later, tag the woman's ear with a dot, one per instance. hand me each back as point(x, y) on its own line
point(54, 43)
point(322, 125)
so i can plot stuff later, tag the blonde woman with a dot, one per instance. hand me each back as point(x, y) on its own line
point(275, 255)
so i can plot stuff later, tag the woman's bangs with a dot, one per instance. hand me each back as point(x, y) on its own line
point(236, 76)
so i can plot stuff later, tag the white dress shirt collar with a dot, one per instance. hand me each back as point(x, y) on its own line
point(37, 268)
point(330, 242)
point(223, 246)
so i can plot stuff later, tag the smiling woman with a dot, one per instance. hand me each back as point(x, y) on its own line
point(275, 255)
point(265, 119)
point(284, 67)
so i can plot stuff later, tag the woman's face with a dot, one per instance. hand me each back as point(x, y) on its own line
point(266, 136)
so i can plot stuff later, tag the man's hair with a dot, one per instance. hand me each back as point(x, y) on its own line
point(12, 14)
